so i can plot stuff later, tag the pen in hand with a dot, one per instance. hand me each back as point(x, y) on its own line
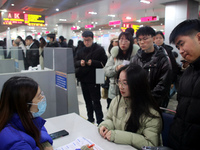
point(89, 146)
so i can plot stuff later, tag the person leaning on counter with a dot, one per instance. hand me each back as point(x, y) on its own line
point(134, 117)
point(21, 104)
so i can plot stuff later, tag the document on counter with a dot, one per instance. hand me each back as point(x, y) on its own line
point(78, 143)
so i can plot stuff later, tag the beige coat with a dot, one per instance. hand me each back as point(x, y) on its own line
point(149, 134)
point(110, 71)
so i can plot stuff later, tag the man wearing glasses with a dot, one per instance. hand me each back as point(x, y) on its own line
point(87, 59)
point(156, 63)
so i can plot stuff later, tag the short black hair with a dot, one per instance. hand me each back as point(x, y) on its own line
point(185, 28)
point(130, 30)
point(29, 37)
point(52, 36)
point(160, 32)
point(147, 30)
point(88, 34)
point(61, 38)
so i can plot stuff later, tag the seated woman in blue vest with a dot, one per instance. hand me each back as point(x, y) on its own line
point(133, 118)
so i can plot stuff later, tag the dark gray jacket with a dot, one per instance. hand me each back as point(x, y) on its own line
point(159, 73)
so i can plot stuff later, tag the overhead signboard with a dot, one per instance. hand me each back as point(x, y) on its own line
point(14, 18)
point(89, 26)
point(129, 25)
point(116, 22)
point(149, 18)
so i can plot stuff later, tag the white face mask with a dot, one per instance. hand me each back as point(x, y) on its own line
point(41, 107)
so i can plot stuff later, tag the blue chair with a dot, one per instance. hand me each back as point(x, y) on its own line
point(167, 119)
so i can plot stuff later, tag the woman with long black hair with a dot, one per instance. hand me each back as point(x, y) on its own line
point(134, 117)
point(21, 127)
point(119, 55)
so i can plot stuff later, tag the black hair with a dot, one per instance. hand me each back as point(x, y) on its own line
point(61, 38)
point(147, 30)
point(42, 42)
point(29, 37)
point(160, 32)
point(130, 30)
point(110, 46)
point(88, 34)
point(70, 43)
point(186, 28)
point(19, 37)
point(52, 36)
point(120, 54)
point(140, 94)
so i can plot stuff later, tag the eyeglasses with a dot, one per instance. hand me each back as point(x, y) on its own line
point(89, 40)
point(122, 83)
point(143, 39)
point(125, 41)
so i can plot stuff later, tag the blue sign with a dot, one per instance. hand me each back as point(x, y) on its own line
point(61, 80)
point(17, 64)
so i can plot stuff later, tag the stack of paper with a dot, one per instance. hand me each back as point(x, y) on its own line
point(78, 143)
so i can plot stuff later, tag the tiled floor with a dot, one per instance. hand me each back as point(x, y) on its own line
point(82, 108)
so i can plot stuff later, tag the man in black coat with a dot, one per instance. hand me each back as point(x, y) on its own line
point(156, 63)
point(87, 59)
point(51, 41)
point(185, 129)
point(32, 53)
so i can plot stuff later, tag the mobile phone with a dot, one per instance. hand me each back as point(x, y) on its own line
point(58, 134)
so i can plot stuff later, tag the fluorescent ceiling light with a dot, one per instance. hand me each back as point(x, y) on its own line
point(24, 12)
point(79, 21)
point(12, 4)
point(111, 15)
point(145, 1)
point(138, 20)
point(128, 18)
point(92, 12)
point(62, 19)
point(57, 9)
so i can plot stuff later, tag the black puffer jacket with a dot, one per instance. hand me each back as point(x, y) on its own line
point(159, 73)
point(185, 129)
point(96, 53)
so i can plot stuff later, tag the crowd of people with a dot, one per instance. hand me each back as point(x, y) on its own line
point(140, 75)
point(33, 50)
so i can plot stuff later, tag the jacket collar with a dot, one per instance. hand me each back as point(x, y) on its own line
point(16, 122)
point(196, 64)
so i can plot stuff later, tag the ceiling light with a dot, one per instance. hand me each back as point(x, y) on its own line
point(56, 25)
point(57, 9)
point(145, 1)
point(92, 22)
point(100, 29)
point(138, 20)
point(62, 19)
point(92, 12)
point(129, 18)
point(111, 15)
point(79, 21)
point(4, 10)
point(12, 4)
point(24, 12)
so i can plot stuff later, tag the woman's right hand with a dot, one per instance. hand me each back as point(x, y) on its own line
point(103, 131)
